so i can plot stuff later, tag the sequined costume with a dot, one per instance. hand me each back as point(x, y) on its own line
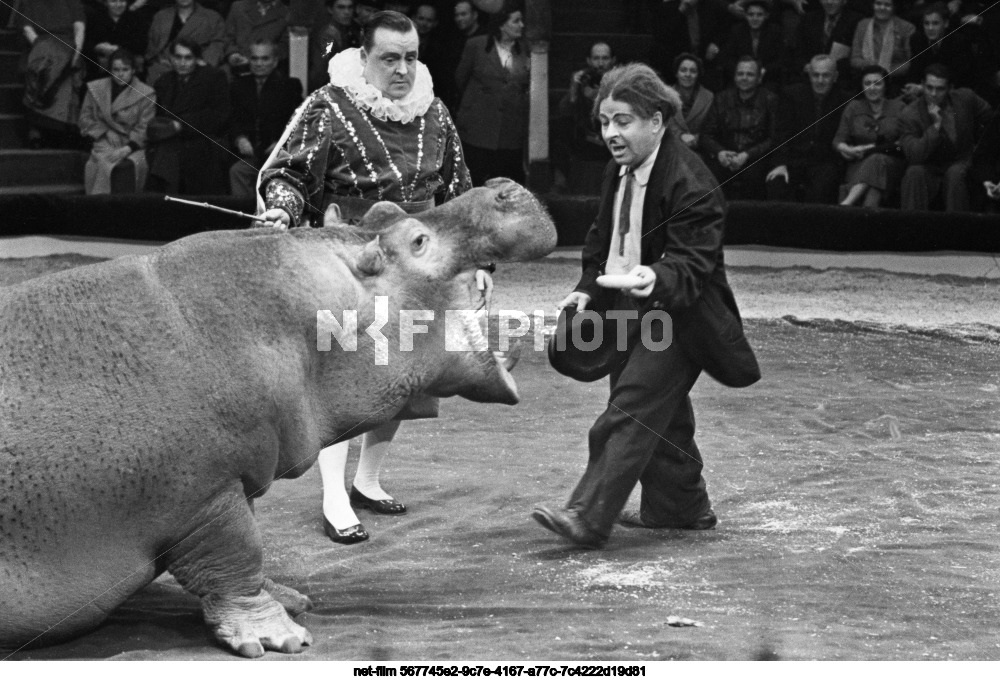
point(348, 140)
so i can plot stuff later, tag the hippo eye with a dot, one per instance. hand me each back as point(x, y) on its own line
point(419, 244)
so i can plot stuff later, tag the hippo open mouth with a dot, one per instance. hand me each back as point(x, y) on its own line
point(495, 366)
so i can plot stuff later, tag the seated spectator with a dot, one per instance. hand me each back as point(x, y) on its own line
point(934, 44)
point(741, 129)
point(756, 37)
point(808, 166)
point(984, 174)
point(884, 39)
point(981, 29)
point(188, 20)
point(334, 35)
point(696, 101)
point(250, 21)
point(115, 113)
point(432, 53)
point(55, 31)
point(186, 139)
point(696, 27)
point(938, 139)
point(262, 106)
point(868, 139)
point(365, 10)
point(109, 29)
point(576, 132)
point(829, 31)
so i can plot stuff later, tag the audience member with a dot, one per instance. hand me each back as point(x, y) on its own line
point(55, 31)
point(759, 38)
point(187, 19)
point(468, 24)
point(984, 174)
point(338, 33)
point(115, 113)
point(493, 78)
point(884, 39)
point(741, 129)
point(981, 29)
point(186, 137)
point(262, 105)
point(938, 139)
point(808, 166)
point(249, 22)
point(365, 10)
point(830, 31)
point(696, 100)
point(934, 44)
point(697, 27)
point(575, 133)
point(868, 139)
point(110, 28)
point(433, 52)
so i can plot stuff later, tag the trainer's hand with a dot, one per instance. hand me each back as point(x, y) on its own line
point(575, 299)
point(275, 217)
point(648, 277)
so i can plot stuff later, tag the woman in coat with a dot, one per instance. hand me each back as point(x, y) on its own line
point(696, 100)
point(493, 77)
point(868, 139)
point(884, 39)
point(115, 114)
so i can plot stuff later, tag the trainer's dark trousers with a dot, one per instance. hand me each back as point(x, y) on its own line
point(646, 435)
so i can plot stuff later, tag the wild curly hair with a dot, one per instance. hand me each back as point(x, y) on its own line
point(638, 86)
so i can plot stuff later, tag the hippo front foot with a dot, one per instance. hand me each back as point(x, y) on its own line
point(251, 625)
point(293, 601)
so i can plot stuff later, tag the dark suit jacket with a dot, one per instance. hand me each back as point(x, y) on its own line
point(810, 39)
point(770, 51)
point(262, 118)
point(804, 137)
point(194, 157)
point(683, 220)
point(955, 51)
point(922, 144)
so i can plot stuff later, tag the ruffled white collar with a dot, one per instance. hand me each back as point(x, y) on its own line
point(347, 71)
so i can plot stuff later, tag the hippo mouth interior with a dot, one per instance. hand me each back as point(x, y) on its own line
point(494, 365)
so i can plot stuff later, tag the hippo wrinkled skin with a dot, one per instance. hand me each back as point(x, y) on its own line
point(146, 401)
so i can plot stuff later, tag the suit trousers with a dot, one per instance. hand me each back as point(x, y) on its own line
point(645, 436)
point(921, 183)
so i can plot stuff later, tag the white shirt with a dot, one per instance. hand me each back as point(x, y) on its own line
point(623, 264)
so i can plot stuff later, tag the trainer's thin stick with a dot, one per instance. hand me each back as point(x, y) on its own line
point(212, 207)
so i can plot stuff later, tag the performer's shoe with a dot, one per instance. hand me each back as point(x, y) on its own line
point(352, 534)
point(631, 518)
point(567, 523)
point(389, 506)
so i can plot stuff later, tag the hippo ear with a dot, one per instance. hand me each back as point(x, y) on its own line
point(371, 259)
point(381, 216)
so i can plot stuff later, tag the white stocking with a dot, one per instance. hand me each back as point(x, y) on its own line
point(336, 507)
point(374, 450)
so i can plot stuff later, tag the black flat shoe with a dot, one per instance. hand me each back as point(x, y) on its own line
point(390, 506)
point(352, 534)
point(631, 518)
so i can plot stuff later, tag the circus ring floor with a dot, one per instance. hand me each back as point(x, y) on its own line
point(856, 486)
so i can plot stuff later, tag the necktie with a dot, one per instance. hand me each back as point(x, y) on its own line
point(828, 28)
point(624, 214)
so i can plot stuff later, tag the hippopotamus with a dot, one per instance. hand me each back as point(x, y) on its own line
point(146, 401)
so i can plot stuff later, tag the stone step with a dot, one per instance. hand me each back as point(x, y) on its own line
point(46, 189)
point(11, 96)
point(13, 131)
point(27, 167)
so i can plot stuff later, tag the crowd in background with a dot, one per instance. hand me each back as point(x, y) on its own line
point(858, 102)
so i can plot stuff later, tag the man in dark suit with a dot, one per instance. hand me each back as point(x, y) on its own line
point(758, 37)
point(661, 222)
point(263, 102)
point(192, 113)
point(938, 140)
point(830, 31)
point(808, 166)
